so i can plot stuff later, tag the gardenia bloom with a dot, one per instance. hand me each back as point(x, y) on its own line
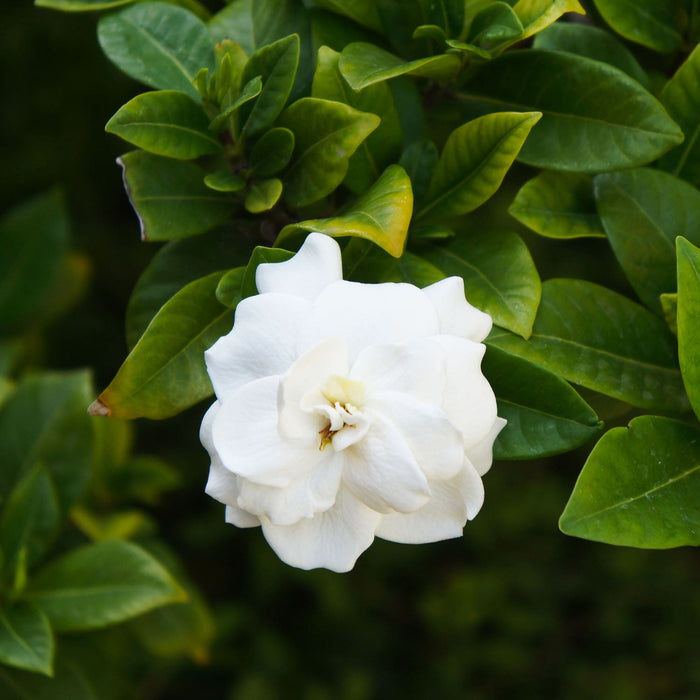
point(349, 410)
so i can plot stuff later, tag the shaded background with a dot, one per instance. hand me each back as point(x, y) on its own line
point(514, 609)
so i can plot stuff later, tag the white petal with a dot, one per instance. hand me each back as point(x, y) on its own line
point(416, 367)
point(457, 315)
point(369, 314)
point(454, 502)
point(312, 494)
point(304, 380)
point(468, 401)
point(382, 472)
point(315, 266)
point(481, 454)
point(332, 540)
point(435, 443)
point(262, 342)
point(247, 439)
point(235, 516)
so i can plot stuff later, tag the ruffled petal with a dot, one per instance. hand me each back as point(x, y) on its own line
point(481, 454)
point(382, 472)
point(331, 540)
point(369, 314)
point(435, 443)
point(246, 437)
point(262, 342)
point(457, 315)
point(314, 267)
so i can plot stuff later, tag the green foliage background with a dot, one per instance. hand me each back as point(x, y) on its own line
point(514, 609)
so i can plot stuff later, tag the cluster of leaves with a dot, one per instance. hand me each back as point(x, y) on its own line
point(66, 560)
point(389, 122)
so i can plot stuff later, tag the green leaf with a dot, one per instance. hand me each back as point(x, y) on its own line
point(627, 125)
point(44, 422)
point(381, 215)
point(272, 152)
point(277, 64)
point(536, 15)
point(363, 12)
point(642, 211)
point(545, 415)
point(558, 205)
point(363, 64)
point(170, 198)
point(101, 584)
point(591, 42)
point(26, 640)
point(681, 97)
point(499, 275)
point(165, 373)
point(474, 162)
point(688, 319)
point(175, 265)
point(326, 135)
point(167, 123)
point(230, 287)
point(651, 23)
point(381, 147)
point(159, 44)
point(224, 181)
point(496, 25)
point(669, 306)
point(640, 487)
point(81, 5)
point(263, 195)
point(260, 255)
point(249, 92)
point(601, 340)
point(419, 160)
point(33, 240)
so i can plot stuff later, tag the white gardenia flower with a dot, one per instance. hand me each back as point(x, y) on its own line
point(348, 410)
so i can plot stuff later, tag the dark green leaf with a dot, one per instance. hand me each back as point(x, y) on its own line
point(161, 45)
point(230, 286)
point(224, 181)
point(361, 11)
point(603, 341)
point(272, 152)
point(494, 26)
point(419, 160)
point(689, 319)
point(26, 640)
point(640, 487)
point(170, 197)
point(263, 195)
point(260, 255)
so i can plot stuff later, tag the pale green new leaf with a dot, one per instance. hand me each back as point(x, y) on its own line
point(26, 640)
point(536, 15)
point(669, 306)
point(249, 92)
point(224, 181)
point(263, 195)
point(688, 319)
point(81, 5)
point(640, 487)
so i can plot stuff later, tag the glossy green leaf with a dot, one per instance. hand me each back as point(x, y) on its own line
point(230, 287)
point(474, 162)
point(558, 205)
point(363, 64)
point(170, 197)
point(277, 64)
point(326, 135)
point(33, 240)
point(224, 181)
point(494, 26)
point(272, 152)
point(167, 123)
point(651, 23)
point(381, 147)
point(381, 215)
point(81, 5)
point(159, 44)
point(263, 195)
point(249, 92)
point(499, 275)
point(536, 15)
point(642, 211)
point(26, 640)
point(363, 12)
point(260, 255)
point(601, 340)
point(640, 487)
point(177, 264)
point(165, 373)
point(430, 31)
point(101, 584)
point(689, 319)
point(591, 42)
point(681, 97)
point(545, 415)
point(44, 422)
point(627, 125)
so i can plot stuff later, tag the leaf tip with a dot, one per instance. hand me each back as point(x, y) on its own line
point(99, 408)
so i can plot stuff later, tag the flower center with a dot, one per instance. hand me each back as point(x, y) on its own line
point(343, 396)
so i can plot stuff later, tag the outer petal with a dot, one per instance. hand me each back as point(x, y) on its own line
point(481, 454)
point(312, 494)
point(382, 472)
point(262, 342)
point(453, 503)
point(246, 437)
point(222, 484)
point(435, 443)
point(369, 314)
point(333, 539)
point(315, 266)
point(457, 315)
